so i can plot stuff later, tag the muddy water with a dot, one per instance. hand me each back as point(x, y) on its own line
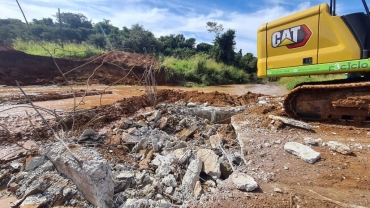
point(121, 91)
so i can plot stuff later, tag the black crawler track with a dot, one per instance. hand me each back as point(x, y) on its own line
point(347, 99)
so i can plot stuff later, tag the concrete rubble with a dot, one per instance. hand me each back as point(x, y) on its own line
point(302, 151)
point(162, 157)
point(339, 147)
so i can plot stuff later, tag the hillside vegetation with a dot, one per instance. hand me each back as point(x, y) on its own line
point(183, 58)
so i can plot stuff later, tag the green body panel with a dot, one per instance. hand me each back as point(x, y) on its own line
point(353, 66)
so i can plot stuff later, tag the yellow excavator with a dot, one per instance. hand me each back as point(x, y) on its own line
point(317, 41)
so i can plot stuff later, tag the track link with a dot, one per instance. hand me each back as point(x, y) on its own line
point(335, 100)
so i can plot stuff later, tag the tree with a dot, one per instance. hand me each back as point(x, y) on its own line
point(97, 39)
point(74, 21)
point(215, 27)
point(224, 47)
point(204, 47)
point(11, 29)
point(142, 41)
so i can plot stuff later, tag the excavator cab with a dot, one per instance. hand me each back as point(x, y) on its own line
point(315, 41)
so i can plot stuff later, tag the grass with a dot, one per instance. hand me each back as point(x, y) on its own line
point(200, 70)
point(71, 50)
point(290, 82)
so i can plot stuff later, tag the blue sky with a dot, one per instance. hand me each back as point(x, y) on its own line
point(187, 17)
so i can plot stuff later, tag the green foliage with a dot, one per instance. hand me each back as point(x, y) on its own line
point(72, 20)
point(200, 70)
point(224, 47)
point(198, 64)
point(178, 46)
point(291, 82)
point(70, 50)
point(10, 29)
point(142, 41)
point(204, 47)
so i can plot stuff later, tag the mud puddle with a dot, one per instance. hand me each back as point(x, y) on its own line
point(123, 91)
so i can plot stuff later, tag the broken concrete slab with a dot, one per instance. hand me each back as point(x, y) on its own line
point(191, 175)
point(35, 162)
point(339, 147)
point(292, 122)
point(93, 177)
point(243, 181)
point(216, 114)
point(165, 164)
point(210, 163)
point(15, 151)
point(304, 152)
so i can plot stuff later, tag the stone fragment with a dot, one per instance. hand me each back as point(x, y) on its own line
point(191, 105)
point(91, 174)
point(220, 115)
point(186, 133)
point(191, 175)
point(115, 140)
point(131, 130)
point(311, 141)
point(37, 200)
point(243, 181)
point(162, 123)
point(215, 141)
point(155, 116)
point(339, 147)
point(210, 163)
point(198, 190)
point(302, 151)
point(292, 122)
point(35, 163)
point(277, 190)
point(13, 187)
point(135, 203)
point(144, 164)
point(226, 169)
point(168, 190)
point(48, 166)
point(125, 175)
point(170, 180)
point(182, 154)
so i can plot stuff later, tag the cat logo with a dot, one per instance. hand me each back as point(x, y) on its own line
point(293, 37)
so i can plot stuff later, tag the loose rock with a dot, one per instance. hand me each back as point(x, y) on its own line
point(211, 165)
point(243, 181)
point(339, 147)
point(302, 151)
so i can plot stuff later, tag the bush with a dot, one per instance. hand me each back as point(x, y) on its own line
point(201, 70)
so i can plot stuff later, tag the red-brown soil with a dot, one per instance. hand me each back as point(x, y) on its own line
point(110, 68)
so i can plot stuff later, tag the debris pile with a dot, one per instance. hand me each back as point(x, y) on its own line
point(176, 154)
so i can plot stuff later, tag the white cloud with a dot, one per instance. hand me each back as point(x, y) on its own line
point(168, 17)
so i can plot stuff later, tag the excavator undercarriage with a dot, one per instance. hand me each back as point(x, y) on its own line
point(330, 101)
